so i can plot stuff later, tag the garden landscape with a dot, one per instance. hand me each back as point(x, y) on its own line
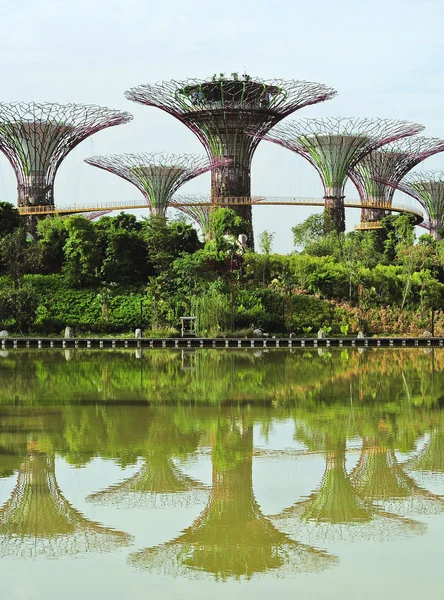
point(221, 301)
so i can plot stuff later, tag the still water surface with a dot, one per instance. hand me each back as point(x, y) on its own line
point(221, 474)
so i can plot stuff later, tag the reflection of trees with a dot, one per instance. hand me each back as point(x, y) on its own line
point(232, 538)
point(336, 509)
point(171, 435)
point(38, 520)
point(279, 377)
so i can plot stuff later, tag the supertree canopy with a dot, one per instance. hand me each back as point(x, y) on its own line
point(157, 176)
point(37, 137)
point(378, 173)
point(220, 110)
point(427, 187)
point(196, 207)
point(334, 146)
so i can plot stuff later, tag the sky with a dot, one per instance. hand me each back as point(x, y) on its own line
point(385, 59)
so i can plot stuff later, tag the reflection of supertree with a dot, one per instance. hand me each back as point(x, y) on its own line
point(157, 176)
point(334, 146)
point(232, 538)
point(196, 207)
point(428, 465)
point(378, 477)
point(336, 510)
point(427, 187)
point(37, 137)
point(159, 481)
point(389, 164)
point(38, 520)
point(219, 112)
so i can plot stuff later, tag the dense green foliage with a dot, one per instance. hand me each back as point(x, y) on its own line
point(119, 273)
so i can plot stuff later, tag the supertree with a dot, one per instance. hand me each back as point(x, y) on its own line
point(196, 207)
point(38, 521)
point(157, 176)
point(427, 187)
point(232, 538)
point(379, 172)
point(220, 110)
point(36, 137)
point(334, 146)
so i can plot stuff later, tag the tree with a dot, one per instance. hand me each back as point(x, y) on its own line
point(226, 226)
point(18, 255)
point(309, 231)
point(9, 218)
point(266, 242)
point(20, 304)
point(52, 234)
point(166, 242)
point(399, 231)
point(82, 256)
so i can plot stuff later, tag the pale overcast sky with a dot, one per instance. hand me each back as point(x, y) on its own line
point(384, 57)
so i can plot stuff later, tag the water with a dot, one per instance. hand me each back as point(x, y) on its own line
point(210, 473)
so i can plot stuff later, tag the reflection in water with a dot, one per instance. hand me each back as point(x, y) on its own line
point(428, 465)
point(380, 478)
point(170, 436)
point(166, 412)
point(277, 377)
point(232, 538)
point(38, 520)
point(337, 508)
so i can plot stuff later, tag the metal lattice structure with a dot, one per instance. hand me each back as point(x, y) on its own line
point(36, 137)
point(219, 111)
point(334, 146)
point(196, 207)
point(158, 176)
point(427, 187)
point(389, 164)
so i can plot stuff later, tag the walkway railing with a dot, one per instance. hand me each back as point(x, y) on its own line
point(228, 201)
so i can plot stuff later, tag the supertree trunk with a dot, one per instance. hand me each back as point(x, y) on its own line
point(334, 210)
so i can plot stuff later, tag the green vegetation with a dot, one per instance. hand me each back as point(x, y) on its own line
point(118, 273)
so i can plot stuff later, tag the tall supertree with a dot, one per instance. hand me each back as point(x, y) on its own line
point(388, 165)
point(36, 137)
point(157, 176)
point(196, 207)
point(427, 187)
point(334, 146)
point(220, 110)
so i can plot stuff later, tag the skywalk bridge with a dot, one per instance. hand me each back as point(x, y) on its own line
point(223, 202)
